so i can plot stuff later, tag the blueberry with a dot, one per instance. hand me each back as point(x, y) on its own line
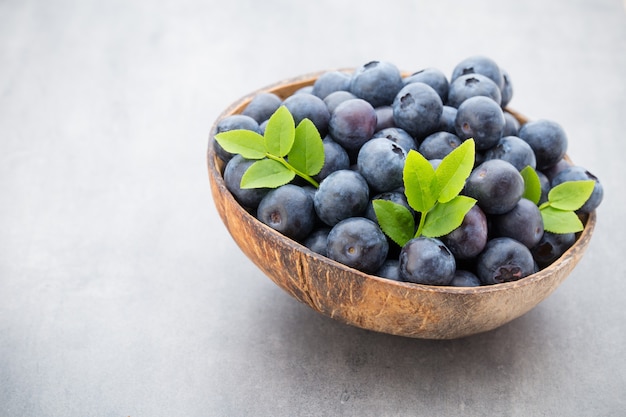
point(397, 197)
point(397, 136)
point(434, 78)
point(463, 278)
point(554, 170)
point(496, 185)
point(308, 106)
point(438, 145)
point(507, 89)
point(448, 117)
point(482, 119)
point(523, 223)
point(545, 187)
point(262, 106)
point(335, 158)
point(381, 163)
point(384, 117)
point(472, 85)
point(390, 270)
point(482, 65)
point(342, 194)
point(511, 125)
point(358, 243)
point(377, 82)
point(289, 210)
point(504, 260)
point(514, 150)
point(330, 82)
point(547, 139)
point(425, 260)
point(334, 99)
point(317, 240)
point(578, 173)
point(233, 122)
point(247, 197)
point(353, 123)
point(417, 109)
point(470, 238)
point(551, 246)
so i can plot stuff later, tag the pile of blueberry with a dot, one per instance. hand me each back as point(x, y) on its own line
point(370, 119)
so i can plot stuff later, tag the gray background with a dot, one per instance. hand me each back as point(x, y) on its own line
point(121, 293)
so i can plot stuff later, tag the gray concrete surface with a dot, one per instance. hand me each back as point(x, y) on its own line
point(121, 293)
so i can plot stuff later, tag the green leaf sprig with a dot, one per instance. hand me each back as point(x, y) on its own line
point(284, 151)
point(559, 212)
point(433, 193)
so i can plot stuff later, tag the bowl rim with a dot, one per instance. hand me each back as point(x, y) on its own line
point(215, 168)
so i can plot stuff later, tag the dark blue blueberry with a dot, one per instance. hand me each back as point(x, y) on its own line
point(352, 123)
point(448, 117)
point(417, 109)
point(329, 82)
point(482, 119)
point(334, 99)
point(390, 270)
point(247, 197)
point(547, 139)
point(496, 185)
point(308, 106)
point(397, 197)
point(578, 173)
point(289, 210)
point(425, 260)
point(504, 260)
point(262, 106)
point(523, 223)
point(470, 238)
point(381, 163)
point(342, 194)
point(335, 158)
point(233, 122)
point(438, 145)
point(317, 240)
point(397, 136)
point(545, 187)
point(479, 65)
point(554, 170)
point(384, 117)
point(377, 82)
point(551, 246)
point(472, 85)
point(463, 278)
point(511, 125)
point(507, 89)
point(358, 243)
point(434, 78)
point(514, 150)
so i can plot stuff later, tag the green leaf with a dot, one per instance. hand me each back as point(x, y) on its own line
point(453, 171)
point(418, 177)
point(307, 153)
point(395, 220)
point(247, 143)
point(280, 132)
point(560, 221)
point(532, 184)
point(570, 195)
point(266, 173)
point(445, 217)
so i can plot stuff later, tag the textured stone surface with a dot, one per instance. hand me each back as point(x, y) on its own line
point(121, 292)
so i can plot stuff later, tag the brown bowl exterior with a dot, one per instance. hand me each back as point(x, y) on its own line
point(370, 302)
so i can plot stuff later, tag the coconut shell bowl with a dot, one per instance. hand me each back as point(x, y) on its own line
point(367, 301)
